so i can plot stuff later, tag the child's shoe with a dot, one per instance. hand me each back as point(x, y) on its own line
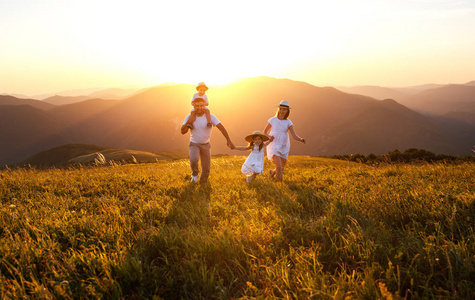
point(194, 179)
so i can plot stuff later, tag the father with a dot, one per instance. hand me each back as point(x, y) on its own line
point(199, 140)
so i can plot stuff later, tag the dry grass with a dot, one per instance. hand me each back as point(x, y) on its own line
point(333, 229)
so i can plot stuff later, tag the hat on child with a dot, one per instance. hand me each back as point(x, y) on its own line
point(250, 137)
point(284, 103)
point(201, 84)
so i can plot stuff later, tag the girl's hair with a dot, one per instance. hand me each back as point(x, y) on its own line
point(251, 145)
point(286, 115)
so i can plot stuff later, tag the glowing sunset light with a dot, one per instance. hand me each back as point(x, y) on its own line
point(55, 45)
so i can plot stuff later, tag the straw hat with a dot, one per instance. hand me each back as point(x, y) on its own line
point(284, 103)
point(201, 84)
point(250, 137)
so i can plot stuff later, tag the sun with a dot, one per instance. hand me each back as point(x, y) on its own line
point(169, 65)
point(219, 49)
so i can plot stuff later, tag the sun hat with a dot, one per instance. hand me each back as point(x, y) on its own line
point(201, 84)
point(284, 103)
point(250, 137)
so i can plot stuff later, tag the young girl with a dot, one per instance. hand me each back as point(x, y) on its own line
point(280, 127)
point(201, 88)
point(254, 163)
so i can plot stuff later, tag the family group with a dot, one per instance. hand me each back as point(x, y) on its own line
point(275, 138)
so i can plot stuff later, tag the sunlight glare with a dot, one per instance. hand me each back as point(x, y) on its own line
point(188, 49)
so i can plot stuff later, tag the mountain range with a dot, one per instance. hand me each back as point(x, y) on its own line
point(332, 121)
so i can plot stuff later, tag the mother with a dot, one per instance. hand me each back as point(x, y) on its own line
point(279, 149)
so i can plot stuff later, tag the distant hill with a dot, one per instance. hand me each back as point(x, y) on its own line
point(81, 111)
point(451, 99)
point(61, 100)
point(85, 154)
point(108, 94)
point(333, 122)
point(22, 96)
point(113, 93)
point(10, 100)
point(376, 92)
point(464, 116)
point(69, 93)
point(418, 88)
point(25, 130)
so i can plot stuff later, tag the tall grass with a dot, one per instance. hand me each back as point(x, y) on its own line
point(332, 229)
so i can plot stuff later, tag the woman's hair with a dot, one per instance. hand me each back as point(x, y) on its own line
point(251, 145)
point(286, 115)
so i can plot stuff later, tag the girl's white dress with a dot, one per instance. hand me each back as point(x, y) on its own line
point(280, 146)
point(254, 163)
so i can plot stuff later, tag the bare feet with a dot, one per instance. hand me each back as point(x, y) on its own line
point(271, 173)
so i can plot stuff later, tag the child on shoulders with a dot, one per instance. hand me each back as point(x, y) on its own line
point(201, 88)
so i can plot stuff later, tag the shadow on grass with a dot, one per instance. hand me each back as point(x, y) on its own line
point(191, 206)
point(187, 258)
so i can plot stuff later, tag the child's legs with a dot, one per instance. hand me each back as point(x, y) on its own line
point(208, 115)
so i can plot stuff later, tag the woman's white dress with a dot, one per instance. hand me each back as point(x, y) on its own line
point(254, 163)
point(280, 146)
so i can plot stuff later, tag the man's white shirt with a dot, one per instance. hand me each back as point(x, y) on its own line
point(201, 132)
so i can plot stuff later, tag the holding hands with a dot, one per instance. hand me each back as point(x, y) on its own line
point(231, 145)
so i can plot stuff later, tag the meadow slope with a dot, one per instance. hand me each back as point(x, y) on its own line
point(332, 230)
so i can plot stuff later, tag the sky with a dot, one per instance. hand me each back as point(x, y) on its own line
point(50, 46)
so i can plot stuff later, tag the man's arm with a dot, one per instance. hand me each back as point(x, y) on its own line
point(226, 136)
point(184, 129)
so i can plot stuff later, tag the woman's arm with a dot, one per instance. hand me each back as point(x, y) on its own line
point(295, 136)
point(269, 141)
point(267, 129)
point(243, 148)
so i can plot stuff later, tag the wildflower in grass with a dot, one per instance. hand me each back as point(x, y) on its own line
point(100, 159)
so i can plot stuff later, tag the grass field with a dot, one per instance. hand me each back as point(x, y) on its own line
point(332, 230)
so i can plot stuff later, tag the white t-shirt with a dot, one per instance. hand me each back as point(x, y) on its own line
point(197, 95)
point(201, 133)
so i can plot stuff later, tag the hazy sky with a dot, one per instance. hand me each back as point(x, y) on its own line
point(48, 46)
